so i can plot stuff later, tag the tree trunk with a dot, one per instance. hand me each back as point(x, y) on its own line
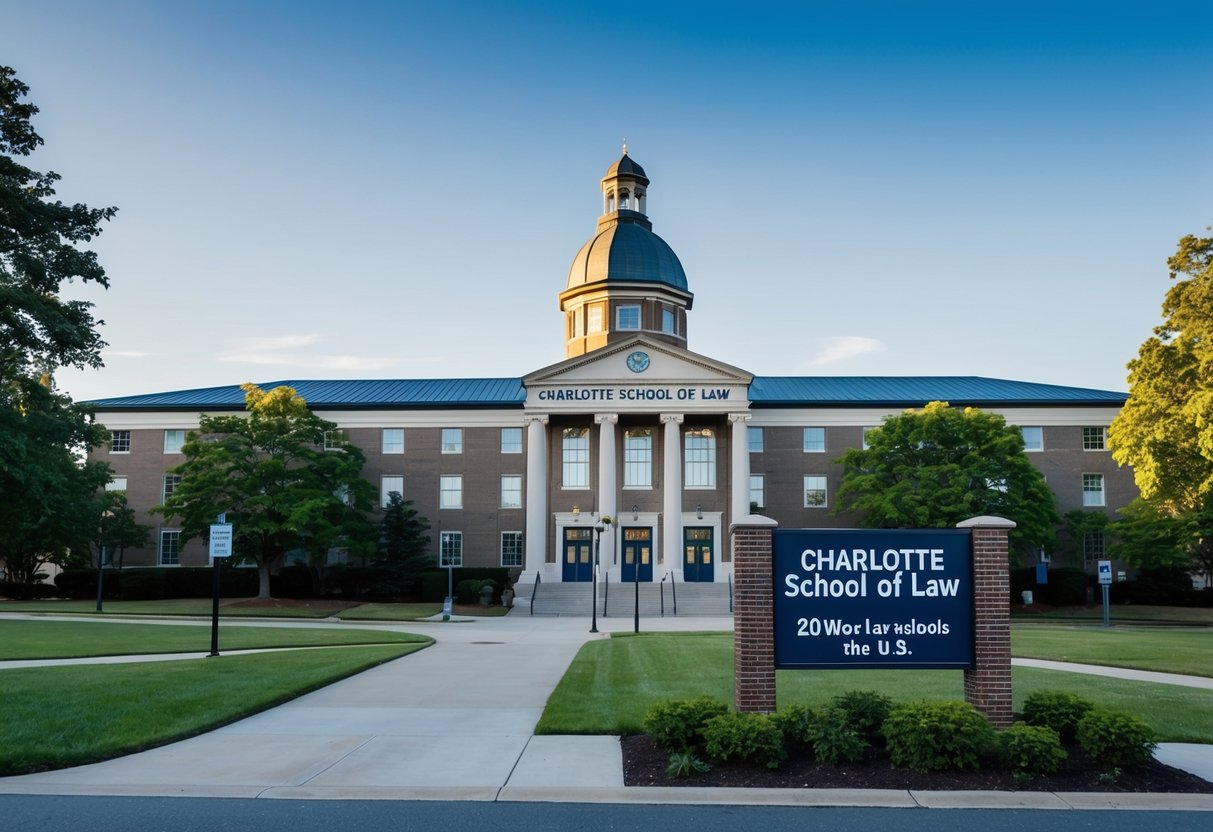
point(263, 583)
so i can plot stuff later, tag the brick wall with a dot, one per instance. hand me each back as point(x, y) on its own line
point(753, 611)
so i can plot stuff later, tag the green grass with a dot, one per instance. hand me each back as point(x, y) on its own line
point(21, 639)
point(1118, 613)
point(242, 608)
point(65, 716)
point(612, 683)
point(1171, 650)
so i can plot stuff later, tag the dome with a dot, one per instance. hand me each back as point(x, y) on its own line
point(626, 167)
point(627, 252)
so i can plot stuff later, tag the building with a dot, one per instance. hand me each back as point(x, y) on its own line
point(673, 445)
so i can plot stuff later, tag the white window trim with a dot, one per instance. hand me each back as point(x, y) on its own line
point(804, 440)
point(383, 443)
point(451, 535)
point(824, 489)
point(442, 492)
point(1030, 450)
point(521, 550)
point(455, 448)
point(1102, 492)
point(385, 492)
point(160, 547)
point(1103, 444)
point(619, 318)
point(511, 449)
point(501, 497)
point(173, 432)
point(128, 441)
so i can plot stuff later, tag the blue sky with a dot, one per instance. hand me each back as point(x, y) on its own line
point(377, 190)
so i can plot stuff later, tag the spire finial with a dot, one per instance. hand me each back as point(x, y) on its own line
point(625, 147)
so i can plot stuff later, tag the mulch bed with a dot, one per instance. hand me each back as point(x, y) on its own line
point(644, 764)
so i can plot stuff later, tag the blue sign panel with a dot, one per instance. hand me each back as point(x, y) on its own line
point(873, 598)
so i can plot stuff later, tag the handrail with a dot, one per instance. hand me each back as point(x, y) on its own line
point(730, 593)
point(674, 592)
point(535, 590)
point(662, 591)
point(606, 593)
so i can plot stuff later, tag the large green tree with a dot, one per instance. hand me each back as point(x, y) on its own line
point(50, 506)
point(1165, 429)
point(935, 467)
point(404, 546)
point(270, 473)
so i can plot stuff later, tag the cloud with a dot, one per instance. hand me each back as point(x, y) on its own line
point(841, 348)
point(126, 354)
point(290, 351)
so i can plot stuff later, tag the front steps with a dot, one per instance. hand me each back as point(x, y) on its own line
point(619, 600)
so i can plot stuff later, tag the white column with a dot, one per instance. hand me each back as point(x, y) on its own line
point(671, 538)
point(536, 496)
point(607, 481)
point(740, 504)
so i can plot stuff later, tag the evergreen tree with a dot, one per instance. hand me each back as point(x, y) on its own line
point(403, 544)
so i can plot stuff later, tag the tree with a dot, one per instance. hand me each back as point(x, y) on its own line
point(50, 507)
point(1148, 536)
point(39, 239)
point(1075, 526)
point(1165, 429)
point(118, 529)
point(270, 473)
point(403, 543)
point(935, 467)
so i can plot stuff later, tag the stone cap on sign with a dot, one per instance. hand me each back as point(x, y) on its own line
point(752, 521)
point(986, 522)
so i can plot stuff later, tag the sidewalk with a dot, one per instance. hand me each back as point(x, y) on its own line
point(455, 722)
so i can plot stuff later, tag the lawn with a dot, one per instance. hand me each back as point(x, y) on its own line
point(1172, 650)
point(1117, 613)
point(65, 716)
point(23, 639)
point(611, 684)
point(251, 608)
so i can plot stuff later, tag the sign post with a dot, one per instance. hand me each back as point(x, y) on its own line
point(1105, 581)
point(220, 547)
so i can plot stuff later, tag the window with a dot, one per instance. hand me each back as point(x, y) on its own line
point(173, 440)
point(393, 440)
point(638, 458)
point(814, 440)
point(450, 492)
point(814, 492)
point(1093, 548)
point(997, 484)
point(120, 442)
point(1033, 439)
point(170, 547)
point(452, 440)
point(169, 485)
point(575, 449)
point(1093, 439)
point(511, 440)
point(389, 484)
point(593, 319)
point(511, 549)
point(450, 549)
point(667, 321)
point(116, 484)
point(758, 491)
point(627, 317)
point(335, 440)
point(511, 491)
point(1092, 490)
point(755, 439)
point(700, 459)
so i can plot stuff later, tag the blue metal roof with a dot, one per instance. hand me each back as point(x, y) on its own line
point(765, 391)
point(915, 391)
point(352, 394)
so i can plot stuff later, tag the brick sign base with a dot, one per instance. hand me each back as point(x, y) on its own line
point(987, 687)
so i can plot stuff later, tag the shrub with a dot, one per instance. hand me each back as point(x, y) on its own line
point(746, 738)
point(468, 591)
point(142, 584)
point(797, 723)
point(1031, 750)
point(936, 736)
point(836, 739)
point(1056, 709)
point(1067, 587)
point(677, 724)
point(1115, 740)
point(865, 712)
point(686, 764)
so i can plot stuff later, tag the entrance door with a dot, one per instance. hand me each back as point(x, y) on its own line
point(697, 554)
point(578, 555)
point(637, 553)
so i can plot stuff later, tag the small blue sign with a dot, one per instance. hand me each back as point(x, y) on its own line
point(873, 598)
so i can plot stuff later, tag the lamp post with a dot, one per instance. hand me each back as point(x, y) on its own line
point(636, 576)
point(601, 526)
point(105, 516)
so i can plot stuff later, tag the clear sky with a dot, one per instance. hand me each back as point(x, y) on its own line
point(397, 189)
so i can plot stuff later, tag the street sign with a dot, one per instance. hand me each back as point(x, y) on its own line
point(221, 540)
point(1105, 572)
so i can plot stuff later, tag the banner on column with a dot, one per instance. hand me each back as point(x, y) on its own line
point(878, 598)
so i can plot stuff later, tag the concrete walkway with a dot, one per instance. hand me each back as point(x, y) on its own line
point(455, 722)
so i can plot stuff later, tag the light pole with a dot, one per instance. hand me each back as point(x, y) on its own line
point(105, 516)
point(601, 526)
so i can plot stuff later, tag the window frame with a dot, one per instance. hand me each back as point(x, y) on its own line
point(823, 488)
point(1039, 446)
point(810, 446)
point(448, 485)
point(113, 485)
point(755, 447)
point(760, 491)
point(638, 459)
point(335, 440)
point(519, 555)
point(176, 433)
point(391, 448)
point(516, 491)
point(120, 437)
point(1094, 497)
point(450, 543)
point(385, 491)
point(699, 461)
point(166, 487)
point(510, 447)
point(1095, 438)
point(575, 459)
point(176, 547)
point(451, 441)
point(619, 316)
